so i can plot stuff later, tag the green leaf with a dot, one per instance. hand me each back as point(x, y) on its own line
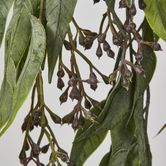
point(105, 159)
point(141, 135)
point(81, 150)
point(155, 12)
point(93, 127)
point(58, 15)
point(5, 6)
point(19, 30)
point(19, 90)
point(118, 111)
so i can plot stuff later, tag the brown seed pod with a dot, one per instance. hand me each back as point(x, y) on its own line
point(60, 83)
point(101, 38)
point(61, 73)
point(106, 46)
point(156, 46)
point(75, 123)
point(45, 148)
point(75, 93)
point(63, 98)
point(99, 51)
point(110, 53)
point(141, 4)
point(67, 45)
point(56, 119)
point(87, 104)
point(68, 118)
point(35, 150)
point(132, 10)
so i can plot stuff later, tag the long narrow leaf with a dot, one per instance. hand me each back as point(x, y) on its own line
point(58, 15)
point(5, 6)
point(19, 90)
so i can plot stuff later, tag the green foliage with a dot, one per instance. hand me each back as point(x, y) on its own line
point(155, 12)
point(13, 93)
point(81, 150)
point(5, 6)
point(58, 15)
point(37, 31)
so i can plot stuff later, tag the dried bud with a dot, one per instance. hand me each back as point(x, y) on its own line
point(75, 93)
point(75, 124)
point(73, 81)
point(141, 4)
point(63, 155)
point(81, 121)
point(93, 86)
point(89, 33)
point(92, 81)
point(156, 46)
point(88, 42)
point(24, 126)
point(110, 53)
point(81, 38)
point(116, 41)
point(122, 4)
point(128, 28)
point(22, 155)
point(63, 98)
point(99, 51)
point(60, 73)
point(56, 119)
point(35, 150)
point(67, 45)
point(87, 104)
point(26, 145)
point(132, 25)
point(101, 38)
point(132, 10)
point(68, 118)
point(36, 118)
point(45, 148)
point(106, 46)
point(60, 83)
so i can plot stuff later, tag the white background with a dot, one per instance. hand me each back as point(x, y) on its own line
point(89, 16)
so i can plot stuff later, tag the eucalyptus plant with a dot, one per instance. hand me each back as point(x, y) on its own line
point(38, 32)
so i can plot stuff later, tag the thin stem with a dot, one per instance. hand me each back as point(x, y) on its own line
point(113, 30)
point(76, 25)
point(102, 23)
point(53, 137)
point(39, 83)
point(87, 60)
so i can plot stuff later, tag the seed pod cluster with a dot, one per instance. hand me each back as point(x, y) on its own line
point(60, 83)
point(86, 38)
point(106, 47)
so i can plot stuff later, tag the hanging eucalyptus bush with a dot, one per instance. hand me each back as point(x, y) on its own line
point(38, 32)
